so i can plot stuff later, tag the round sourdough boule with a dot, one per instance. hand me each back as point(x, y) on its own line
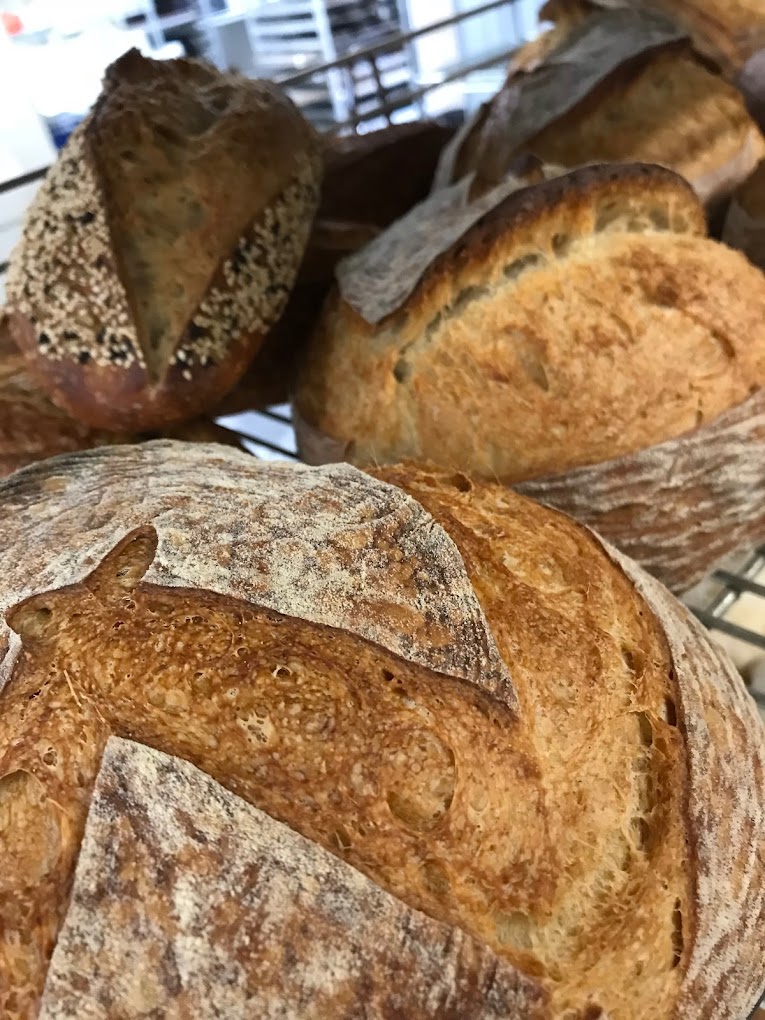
point(163, 243)
point(584, 331)
point(458, 759)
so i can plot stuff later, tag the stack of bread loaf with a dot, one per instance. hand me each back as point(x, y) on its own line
point(379, 735)
point(584, 338)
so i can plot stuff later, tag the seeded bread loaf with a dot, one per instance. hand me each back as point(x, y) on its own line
point(615, 86)
point(32, 428)
point(163, 244)
point(286, 742)
point(583, 331)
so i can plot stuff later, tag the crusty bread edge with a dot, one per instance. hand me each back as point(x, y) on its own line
point(647, 503)
point(678, 507)
point(532, 209)
point(725, 975)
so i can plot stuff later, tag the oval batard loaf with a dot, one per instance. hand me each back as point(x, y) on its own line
point(163, 243)
point(614, 86)
point(580, 324)
point(288, 742)
point(32, 428)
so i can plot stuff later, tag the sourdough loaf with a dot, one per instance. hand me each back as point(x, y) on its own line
point(579, 325)
point(727, 31)
point(32, 428)
point(616, 86)
point(368, 182)
point(163, 243)
point(279, 741)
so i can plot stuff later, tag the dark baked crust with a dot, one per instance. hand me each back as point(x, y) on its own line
point(32, 428)
point(377, 177)
point(162, 246)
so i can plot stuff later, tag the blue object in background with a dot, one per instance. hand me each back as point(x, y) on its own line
point(62, 125)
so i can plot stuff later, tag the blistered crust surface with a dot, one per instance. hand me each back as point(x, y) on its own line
point(407, 260)
point(253, 919)
point(282, 536)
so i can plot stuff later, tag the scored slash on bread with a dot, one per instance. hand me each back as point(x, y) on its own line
point(579, 321)
point(499, 722)
point(613, 86)
point(163, 243)
point(255, 917)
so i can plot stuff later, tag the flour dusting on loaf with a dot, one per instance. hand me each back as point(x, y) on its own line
point(253, 919)
point(726, 765)
point(298, 544)
point(604, 839)
point(677, 507)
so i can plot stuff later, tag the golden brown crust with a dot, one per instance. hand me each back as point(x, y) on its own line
point(566, 817)
point(441, 237)
point(611, 372)
point(607, 100)
point(679, 507)
point(720, 720)
point(252, 917)
point(571, 325)
point(729, 31)
point(120, 326)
